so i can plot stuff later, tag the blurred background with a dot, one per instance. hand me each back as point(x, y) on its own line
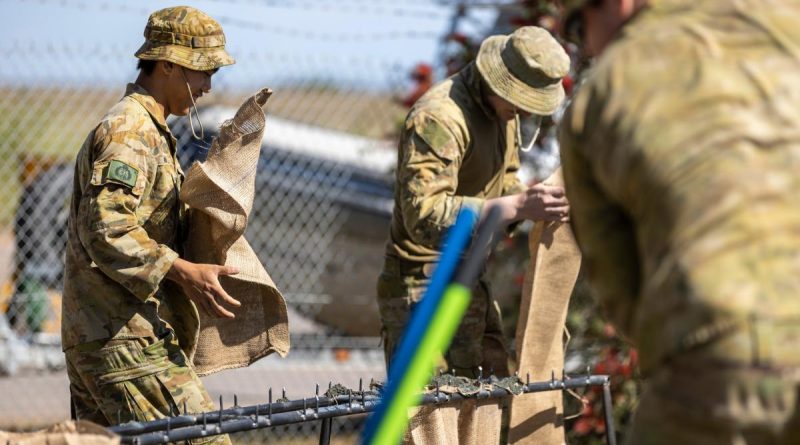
point(344, 74)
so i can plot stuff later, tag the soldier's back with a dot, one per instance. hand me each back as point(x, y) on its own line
point(694, 111)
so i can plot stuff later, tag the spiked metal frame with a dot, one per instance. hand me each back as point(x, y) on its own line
point(245, 418)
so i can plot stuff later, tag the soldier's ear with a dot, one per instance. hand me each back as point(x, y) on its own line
point(166, 67)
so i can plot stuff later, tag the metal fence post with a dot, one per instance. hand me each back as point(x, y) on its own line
point(325, 432)
point(608, 410)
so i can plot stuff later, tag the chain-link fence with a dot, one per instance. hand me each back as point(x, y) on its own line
point(319, 223)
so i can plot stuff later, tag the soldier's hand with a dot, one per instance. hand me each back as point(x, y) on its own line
point(539, 202)
point(200, 282)
point(542, 202)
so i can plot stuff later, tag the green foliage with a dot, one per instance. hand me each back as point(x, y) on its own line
point(594, 342)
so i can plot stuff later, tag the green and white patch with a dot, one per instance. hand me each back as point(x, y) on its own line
point(121, 173)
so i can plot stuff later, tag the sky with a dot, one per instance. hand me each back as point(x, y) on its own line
point(325, 38)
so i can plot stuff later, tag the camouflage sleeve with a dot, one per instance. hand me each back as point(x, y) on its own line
point(430, 156)
point(602, 227)
point(110, 231)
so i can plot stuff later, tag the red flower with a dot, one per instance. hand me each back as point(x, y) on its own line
point(458, 37)
point(567, 82)
point(600, 368)
point(518, 21)
point(583, 426)
point(600, 426)
point(634, 357)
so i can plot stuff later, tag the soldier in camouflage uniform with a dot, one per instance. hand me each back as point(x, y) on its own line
point(681, 155)
point(459, 148)
point(125, 224)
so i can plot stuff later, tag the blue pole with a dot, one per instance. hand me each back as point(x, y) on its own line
point(457, 239)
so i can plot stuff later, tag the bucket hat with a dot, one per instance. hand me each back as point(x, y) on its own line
point(185, 36)
point(525, 68)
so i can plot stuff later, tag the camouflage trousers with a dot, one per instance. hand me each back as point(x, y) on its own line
point(479, 340)
point(705, 397)
point(135, 380)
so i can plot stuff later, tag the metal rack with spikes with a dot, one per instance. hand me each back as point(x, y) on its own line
point(324, 408)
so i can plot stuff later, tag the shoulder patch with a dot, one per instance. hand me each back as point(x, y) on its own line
point(122, 173)
point(438, 137)
point(435, 135)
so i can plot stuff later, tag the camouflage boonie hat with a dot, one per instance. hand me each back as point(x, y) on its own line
point(185, 36)
point(525, 69)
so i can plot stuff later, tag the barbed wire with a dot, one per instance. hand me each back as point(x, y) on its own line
point(394, 2)
point(85, 5)
point(34, 49)
point(344, 8)
point(114, 50)
point(331, 36)
point(422, 3)
point(255, 25)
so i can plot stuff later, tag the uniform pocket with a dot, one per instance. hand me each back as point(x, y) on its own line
point(166, 393)
point(140, 399)
point(123, 375)
point(166, 182)
point(160, 212)
point(127, 361)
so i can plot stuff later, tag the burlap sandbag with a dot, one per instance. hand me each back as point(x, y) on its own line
point(220, 193)
point(70, 432)
point(538, 418)
point(469, 422)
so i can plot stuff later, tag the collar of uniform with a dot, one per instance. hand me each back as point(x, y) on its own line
point(474, 83)
point(139, 94)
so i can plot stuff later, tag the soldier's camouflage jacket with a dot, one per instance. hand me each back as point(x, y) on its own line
point(453, 152)
point(681, 156)
point(124, 221)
